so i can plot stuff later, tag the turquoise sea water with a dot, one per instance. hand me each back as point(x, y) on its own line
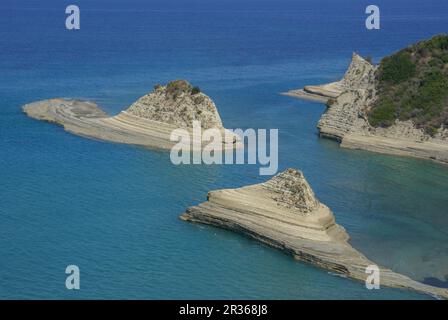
point(113, 209)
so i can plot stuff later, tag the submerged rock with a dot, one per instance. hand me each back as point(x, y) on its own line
point(284, 213)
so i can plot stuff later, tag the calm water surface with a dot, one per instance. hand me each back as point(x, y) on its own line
point(113, 209)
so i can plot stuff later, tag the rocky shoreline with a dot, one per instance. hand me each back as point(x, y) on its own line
point(148, 122)
point(346, 121)
point(285, 214)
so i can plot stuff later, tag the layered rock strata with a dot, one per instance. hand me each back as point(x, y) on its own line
point(148, 122)
point(348, 102)
point(284, 213)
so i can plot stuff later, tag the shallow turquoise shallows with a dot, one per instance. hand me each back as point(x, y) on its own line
point(113, 209)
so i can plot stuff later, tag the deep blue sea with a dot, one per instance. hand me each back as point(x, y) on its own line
point(113, 209)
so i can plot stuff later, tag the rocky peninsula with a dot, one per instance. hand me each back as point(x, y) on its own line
point(284, 213)
point(148, 122)
point(399, 107)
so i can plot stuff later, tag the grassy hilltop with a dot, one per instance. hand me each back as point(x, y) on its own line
point(413, 85)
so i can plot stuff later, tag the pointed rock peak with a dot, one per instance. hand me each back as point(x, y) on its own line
point(291, 190)
point(358, 60)
point(178, 103)
point(177, 87)
point(357, 57)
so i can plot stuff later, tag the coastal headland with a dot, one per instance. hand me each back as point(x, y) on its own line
point(363, 112)
point(284, 213)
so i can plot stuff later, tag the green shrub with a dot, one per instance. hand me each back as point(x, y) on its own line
point(432, 131)
point(383, 115)
point(439, 42)
point(444, 57)
point(413, 85)
point(397, 68)
point(330, 102)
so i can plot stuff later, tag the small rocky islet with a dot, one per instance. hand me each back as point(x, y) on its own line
point(148, 122)
point(399, 107)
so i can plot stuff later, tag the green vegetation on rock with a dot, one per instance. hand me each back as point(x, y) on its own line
point(177, 87)
point(195, 90)
point(412, 85)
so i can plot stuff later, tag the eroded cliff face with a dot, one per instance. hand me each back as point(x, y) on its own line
point(348, 112)
point(179, 104)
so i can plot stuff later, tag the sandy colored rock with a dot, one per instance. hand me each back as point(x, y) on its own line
point(284, 213)
point(177, 104)
point(346, 118)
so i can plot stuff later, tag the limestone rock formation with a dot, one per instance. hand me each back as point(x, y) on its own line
point(284, 213)
point(178, 103)
point(290, 190)
point(346, 118)
point(346, 112)
point(148, 122)
point(360, 74)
